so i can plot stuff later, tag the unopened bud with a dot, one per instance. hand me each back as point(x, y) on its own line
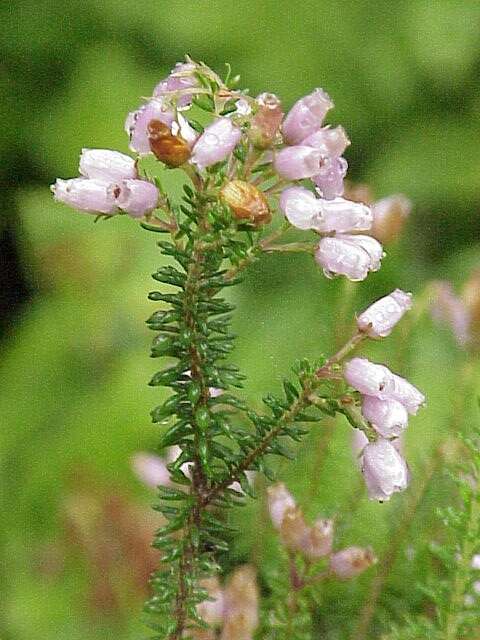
point(170, 149)
point(294, 530)
point(389, 217)
point(351, 562)
point(379, 319)
point(266, 122)
point(320, 539)
point(246, 202)
point(384, 470)
point(388, 417)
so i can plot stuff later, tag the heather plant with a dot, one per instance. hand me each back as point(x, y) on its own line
point(253, 182)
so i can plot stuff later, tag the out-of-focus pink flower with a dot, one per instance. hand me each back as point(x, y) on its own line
point(306, 116)
point(279, 500)
point(136, 124)
point(150, 469)
point(241, 605)
point(217, 142)
point(379, 319)
point(87, 195)
point(330, 178)
point(388, 417)
point(350, 256)
point(137, 197)
point(296, 163)
point(384, 470)
point(448, 308)
point(211, 610)
point(389, 217)
point(107, 165)
point(351, 562)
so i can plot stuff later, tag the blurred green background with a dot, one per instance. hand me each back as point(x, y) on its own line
point(74, 364)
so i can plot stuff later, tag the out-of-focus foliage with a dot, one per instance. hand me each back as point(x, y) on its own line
point(74, 404)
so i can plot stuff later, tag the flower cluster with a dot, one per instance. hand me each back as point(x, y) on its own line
point(246, 137)
point(315, 541)
point(109, 183)
point(241, 160)
point(386, 399)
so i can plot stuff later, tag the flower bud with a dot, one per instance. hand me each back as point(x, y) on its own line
point(401, 390)
point(330, 179)
point(170, 149)
point(294, 530)
point(150, 469)
point(211, 610)
point(448, 308)
point(181, 78)
point(137, 197)
point(108, 165)
point(351, 562)
point(350, 256)
point(296, 163)
point(384, 470)
point(306, 116)
point(331, 141)
point(378, 319)
point(388, 417)
point(320, 539)
point(266, 121)
point(241, 605)
point(216, 143)
point(300, 207)
point(279, 500)
point(389, 217)
point(367, 377)
point(137, 122)
point(343, 216)
point(246, 202)
point(90, 196)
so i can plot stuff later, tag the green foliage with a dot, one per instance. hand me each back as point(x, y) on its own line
point(451, 587)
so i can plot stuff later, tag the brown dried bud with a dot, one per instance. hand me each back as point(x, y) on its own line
point(351, 562)
point(169, 149)
point(246, 202)
point(241, 605)
point(389, 217)
point(294, 530)
point(266, 121)
point(313, 541)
